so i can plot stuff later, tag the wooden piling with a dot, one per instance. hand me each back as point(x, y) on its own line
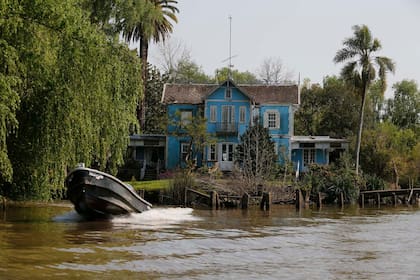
point(378, 199)
point(265, 201)
point(342, 199)
point(299, 200)
point(245, 201)
point(319, 202)
point(4, 203)
point(362, 200)
point(214, 200)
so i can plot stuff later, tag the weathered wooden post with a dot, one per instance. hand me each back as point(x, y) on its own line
point(378, 199)
point(4, 203)
point(214, 200)
point(185, 197)
point(362, 200)
point(245, 201)
point(395, 200)
point(265, 201)
point(342, 199)
point(299, 199)
point(319, 202)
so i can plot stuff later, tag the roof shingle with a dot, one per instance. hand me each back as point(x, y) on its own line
point(261, 94)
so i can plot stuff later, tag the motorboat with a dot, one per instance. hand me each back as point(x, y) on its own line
point(97, 194)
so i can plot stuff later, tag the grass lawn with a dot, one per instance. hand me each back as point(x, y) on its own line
point(151, 185)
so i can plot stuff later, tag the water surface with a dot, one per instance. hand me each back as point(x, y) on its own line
point(181, 243)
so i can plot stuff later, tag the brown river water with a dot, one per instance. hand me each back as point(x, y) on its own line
point(52, 242)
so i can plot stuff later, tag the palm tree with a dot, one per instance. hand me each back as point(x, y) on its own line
point(361, 68)
point(143, 21)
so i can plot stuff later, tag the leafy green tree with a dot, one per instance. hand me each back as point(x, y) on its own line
point(238, 77)
point(389, 153)
point(375, 105)
point(76, 99)
point(156, 111)
point(360, 69)
point(404, 108)
point(143, 21)
point(193, 130)
point(10, 86)
point(187, 71)
point(308, 115)
point(256, 156)
point(327, 110)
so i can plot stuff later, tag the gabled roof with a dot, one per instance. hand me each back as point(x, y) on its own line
point(260, 94)
point(186, 93)
point(272, 94)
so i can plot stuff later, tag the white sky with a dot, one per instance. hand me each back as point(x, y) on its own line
point(305, 34)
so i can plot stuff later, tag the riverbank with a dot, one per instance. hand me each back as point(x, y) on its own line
point(12, 203)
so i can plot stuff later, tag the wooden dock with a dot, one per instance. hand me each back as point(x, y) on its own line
point(408, 196)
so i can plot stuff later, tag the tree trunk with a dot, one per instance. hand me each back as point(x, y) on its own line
point(359, 133)
point(141, 110)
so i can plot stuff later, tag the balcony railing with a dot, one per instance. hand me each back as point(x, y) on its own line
point(226, 128)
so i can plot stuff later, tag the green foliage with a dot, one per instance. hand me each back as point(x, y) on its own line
point(327, 110)
point(373, 182)
point(155, 122)
point(78, 93)
point(333, 180)
point(256, 156)
point(389, 152)
point(187, 71)
point(238, 77)
point(404, 109)
point(194, 130)
point(183, 180)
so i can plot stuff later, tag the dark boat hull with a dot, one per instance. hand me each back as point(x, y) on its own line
point(98, 194)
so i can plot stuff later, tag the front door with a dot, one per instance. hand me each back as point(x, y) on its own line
point(226, 156)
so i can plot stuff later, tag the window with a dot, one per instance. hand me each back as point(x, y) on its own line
point(271, 119)
point(213, 117)
point(184, 150)
point(242, 114)
point(228, 93)
point(228, 114)
point(212, 152)
point(227, 152)
point(308, 156)
point(186, 117)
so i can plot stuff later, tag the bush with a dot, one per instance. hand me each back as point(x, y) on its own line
point(182, 180)
point(373, 182)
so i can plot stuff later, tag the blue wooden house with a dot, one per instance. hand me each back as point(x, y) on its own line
point(229, 109)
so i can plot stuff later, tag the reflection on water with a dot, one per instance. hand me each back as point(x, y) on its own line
point(181, 243)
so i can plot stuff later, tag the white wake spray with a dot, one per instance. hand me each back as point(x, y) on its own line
point(156, 218)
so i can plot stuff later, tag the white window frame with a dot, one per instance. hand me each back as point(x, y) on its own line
point(242, 114)
point(212, 152)
point(309, 156)
point(213, 113)
point(184, 150)
point(186, 117)
point(272, 119)
point(228, 115)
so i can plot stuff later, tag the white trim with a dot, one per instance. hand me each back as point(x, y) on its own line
point(276, 114)
point(213, 114)
point(242, 110)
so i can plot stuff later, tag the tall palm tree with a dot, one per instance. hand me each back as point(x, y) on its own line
point(143, 21)
point(361, 69)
